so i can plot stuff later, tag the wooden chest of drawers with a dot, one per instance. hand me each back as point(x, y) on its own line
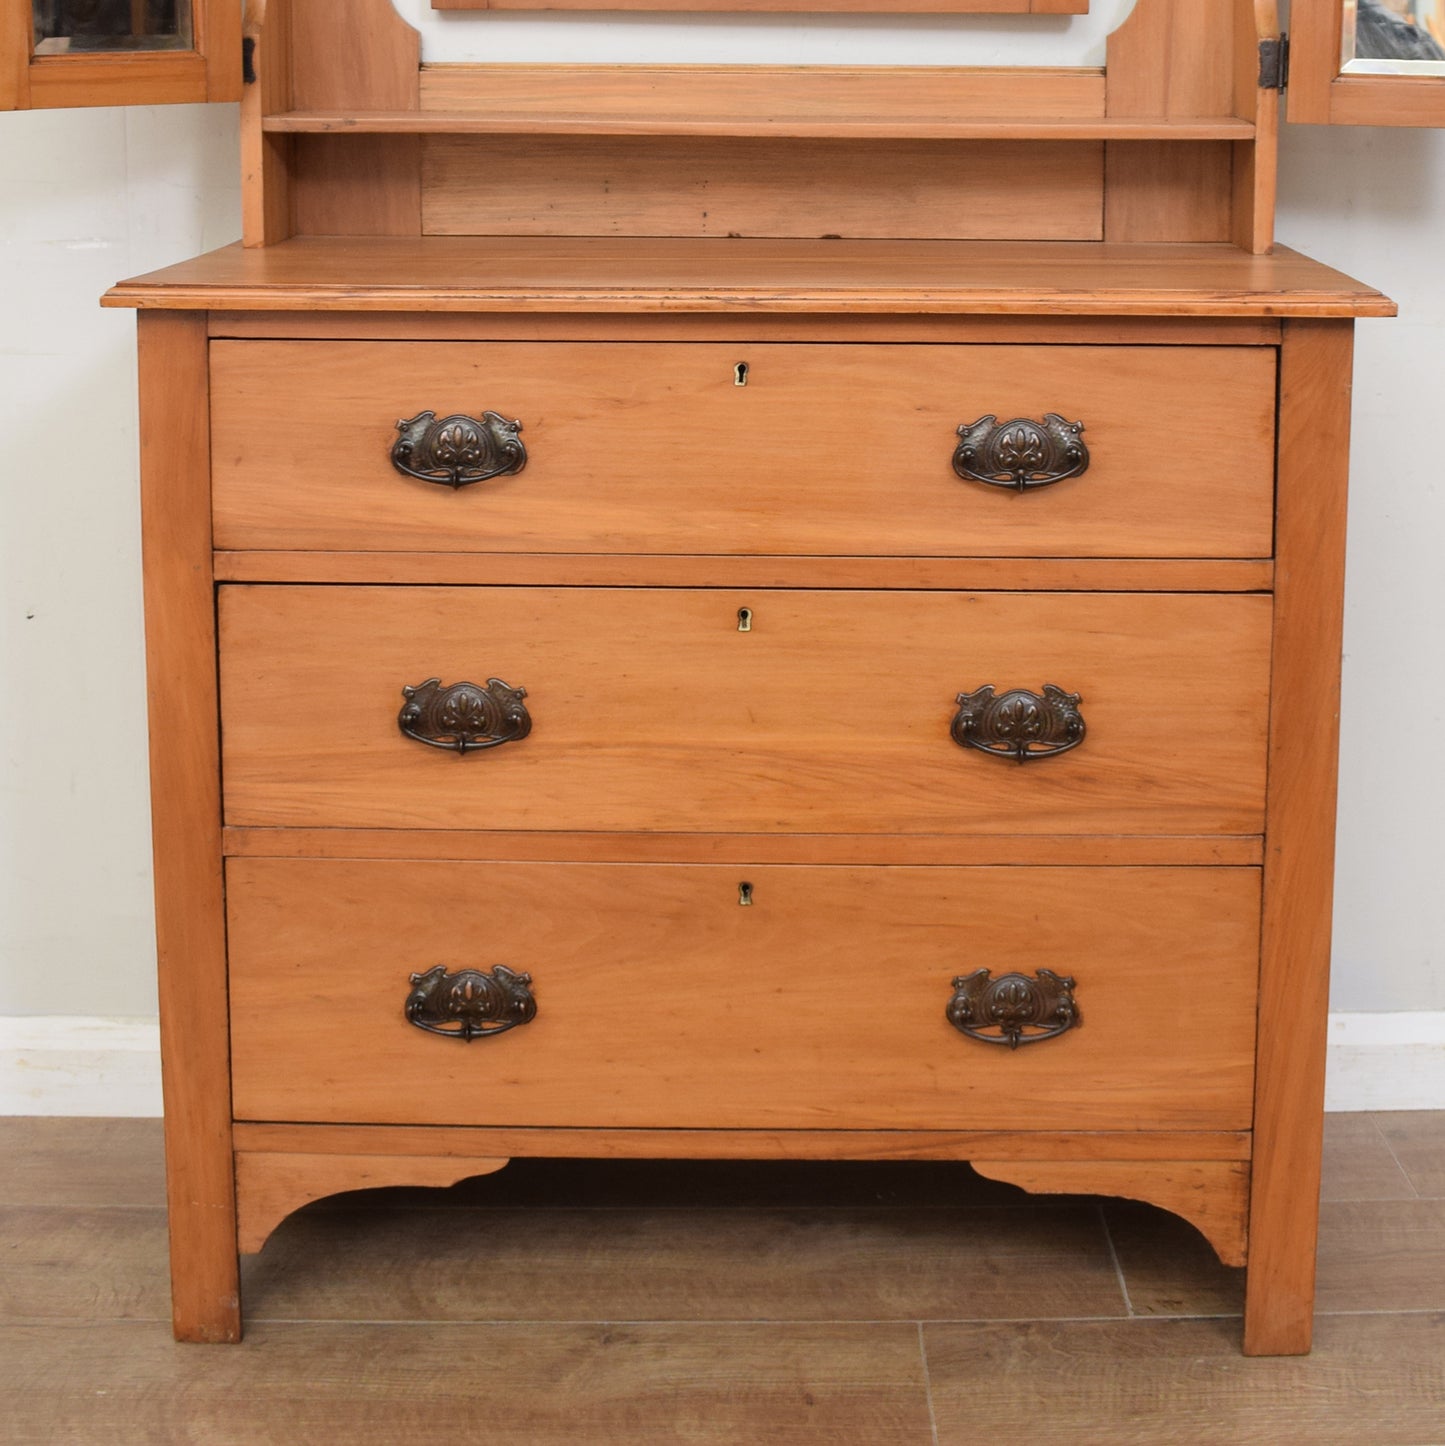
point(843, 737)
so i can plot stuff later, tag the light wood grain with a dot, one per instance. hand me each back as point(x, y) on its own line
point(753, 848)
point(652, 711)
point(821, 967)
point(185, 824)
point(266, 160)
point(805, 126)
point(1213, 1195)
point(890, 98)
point(17, 29)
point(702, 186)
point(269, 1187)
point(1157, 192)
point(890, 1144)
point(718, 326)
point(648, 448)
point(702, 274)
point(1049, 574)
point(1299, 844)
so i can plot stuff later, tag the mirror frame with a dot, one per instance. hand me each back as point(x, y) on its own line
point(209, 72)
point(1321, 94)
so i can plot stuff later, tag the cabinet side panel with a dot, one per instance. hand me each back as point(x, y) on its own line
point(185, 820)
point(1300, 825)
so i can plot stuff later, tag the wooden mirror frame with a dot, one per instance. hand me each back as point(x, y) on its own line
point(1321, 94)
point(209, 71)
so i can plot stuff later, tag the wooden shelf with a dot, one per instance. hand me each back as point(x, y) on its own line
point(594, 123)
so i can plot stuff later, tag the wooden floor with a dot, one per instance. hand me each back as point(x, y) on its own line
point(591, 1303)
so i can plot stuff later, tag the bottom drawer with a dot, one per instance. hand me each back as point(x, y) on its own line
point(661, 999)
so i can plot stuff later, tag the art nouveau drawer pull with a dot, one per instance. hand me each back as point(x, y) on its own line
point(464, 717)
point(1014, 1009)
point(1022, 454)
point(458, 450)
point(470, 1004)
point(1019, 724)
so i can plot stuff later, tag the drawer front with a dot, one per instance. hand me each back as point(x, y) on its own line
point(649, 709)
point(655, 448)
point(660, 1001)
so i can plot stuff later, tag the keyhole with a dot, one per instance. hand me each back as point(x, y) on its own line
point(740, 374)
point(745, 895)
point(745, 620)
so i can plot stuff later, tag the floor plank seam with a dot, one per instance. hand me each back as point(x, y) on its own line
point(1399, 1163)
point(1114, 1256)
point(927, 1385)
point(532, 1323)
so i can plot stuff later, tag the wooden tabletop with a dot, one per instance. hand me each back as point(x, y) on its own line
point(551, 274)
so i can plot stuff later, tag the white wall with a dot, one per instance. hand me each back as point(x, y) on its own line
point(87, 197)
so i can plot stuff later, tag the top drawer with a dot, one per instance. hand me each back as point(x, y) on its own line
point(825, 450)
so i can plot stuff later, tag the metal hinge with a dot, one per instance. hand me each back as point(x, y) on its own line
point(1274, 63)
point(248, 60)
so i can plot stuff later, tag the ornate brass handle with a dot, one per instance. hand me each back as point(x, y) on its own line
point(1014, 1009)
point(1022, 454)
point(470, 1004)
point(458, 450)
point(464, 717)
point(1019, 724)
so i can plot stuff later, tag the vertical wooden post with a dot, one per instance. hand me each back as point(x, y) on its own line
point(16, 32)
point(1314, 444)
point(186, 823)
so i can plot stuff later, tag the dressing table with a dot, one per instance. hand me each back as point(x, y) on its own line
point(745, 612)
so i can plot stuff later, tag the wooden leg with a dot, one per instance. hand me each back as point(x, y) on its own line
point(1314, 447)
point(186, 824)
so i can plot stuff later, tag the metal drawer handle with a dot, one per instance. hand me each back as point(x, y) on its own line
point(458, 450)
point(1019, 724)
point(470, 1004)
point(1014, 1009)
point(1022, 454)
point(464, 717)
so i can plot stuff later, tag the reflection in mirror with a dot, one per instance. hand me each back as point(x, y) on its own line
point(73, 26)
point(1393, 37)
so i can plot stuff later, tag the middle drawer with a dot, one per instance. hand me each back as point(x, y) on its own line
point(759, 711)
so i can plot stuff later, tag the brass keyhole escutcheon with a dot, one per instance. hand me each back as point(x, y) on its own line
point(745, 620)
point(745, 896)
point(740, 374)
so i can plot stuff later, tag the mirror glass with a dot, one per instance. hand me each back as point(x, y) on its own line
point(86, 26)
point(1393, 37)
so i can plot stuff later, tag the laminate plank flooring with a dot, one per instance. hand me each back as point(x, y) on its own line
point(705, 1302)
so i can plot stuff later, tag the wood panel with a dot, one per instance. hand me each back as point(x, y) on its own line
point(270, 1186)
point(1061, 574)
point(817, 970)
point(1178, 191)
point(1213, 1195)
point(475, 185)
point(185, 824)
point(266, 160)
point(484, 326)
point(559, 847)
point(887, 96)
point(652, 711)
point(890, 1144)
point(356, 186)
point(640, 275)
point(1299, 859)
point(831, 450)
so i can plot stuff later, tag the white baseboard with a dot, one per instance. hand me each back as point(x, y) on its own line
point(64, 1065)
